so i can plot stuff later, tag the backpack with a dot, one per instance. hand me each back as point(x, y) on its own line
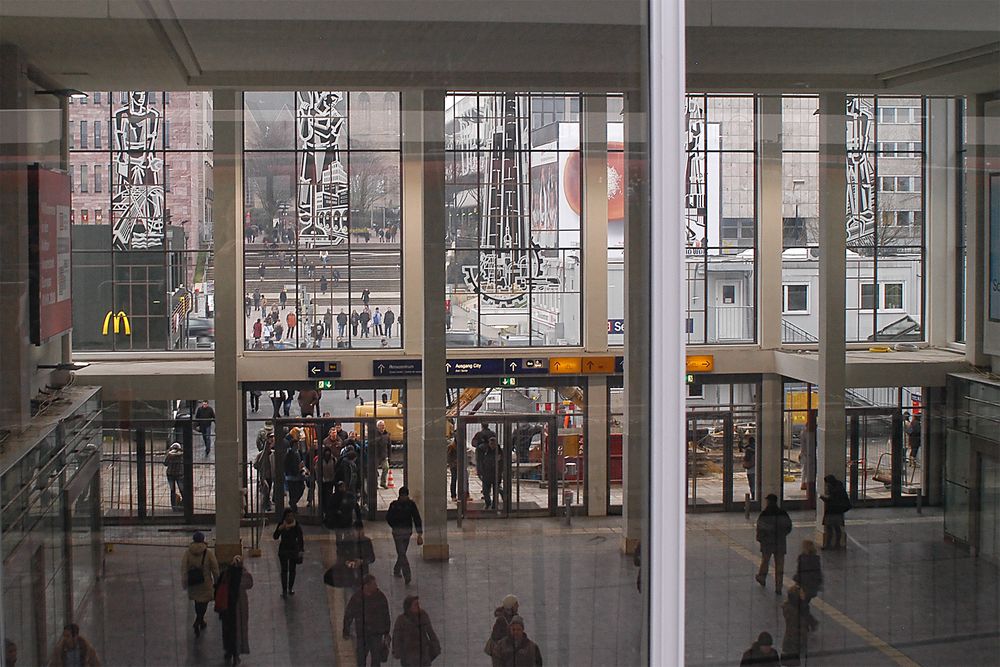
point(196, 575)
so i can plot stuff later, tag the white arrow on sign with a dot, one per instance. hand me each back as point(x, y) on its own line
point(513, 366)
point(447, 367)
point(314, 370)
point(381, 368)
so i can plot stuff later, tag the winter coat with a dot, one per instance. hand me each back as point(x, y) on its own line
point(403, 516)
point(382, 443)
point(798, 621)
point(368, 613)
point(489, 460)
point(756, 656)
point(174, 461)
point(524, 653)
point(809, 574)
point(838, 502)
point(239, 605)
point(87, 653)
point(414, 642)
point(203, 592)
point(501, 629)
point(773, 527)
point(292, 540)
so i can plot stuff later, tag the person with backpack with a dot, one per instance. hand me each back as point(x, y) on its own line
point(836, 504)
point(174, 462)
point(199, 570)
point(233, 607)
point(773, 527)
point(414, 642)
point(294, 468)
point(403, 517)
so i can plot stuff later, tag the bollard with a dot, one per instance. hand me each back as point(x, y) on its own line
point(568, 503)
point(746, 506)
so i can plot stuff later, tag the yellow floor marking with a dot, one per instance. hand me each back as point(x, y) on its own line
point(342, 648)
point(829, 610)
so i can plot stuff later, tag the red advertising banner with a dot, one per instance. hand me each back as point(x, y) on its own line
point(50, 201)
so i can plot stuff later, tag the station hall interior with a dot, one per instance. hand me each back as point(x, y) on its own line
point(237, 235)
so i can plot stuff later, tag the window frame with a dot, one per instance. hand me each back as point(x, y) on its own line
point(784, 299)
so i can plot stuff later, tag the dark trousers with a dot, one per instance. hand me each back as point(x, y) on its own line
point(229, 643)
point(254, 402)
point(206, 437)
point(296, 487)
point(454, 483)
point(276, 402)
point(199, 611)
point(370, 645)
point(288, 566)
point(752, 482)
point(402, 542)
point(176, 492)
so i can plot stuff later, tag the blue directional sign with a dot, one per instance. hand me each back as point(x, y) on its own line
point(323, 369)
point(536, 366)
point(619, 364)
point(474, 367)
point(397, 367)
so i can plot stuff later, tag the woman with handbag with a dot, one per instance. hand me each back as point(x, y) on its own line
point(291, 549)
point(233, 607)
point(414, 642)
point(199, 570)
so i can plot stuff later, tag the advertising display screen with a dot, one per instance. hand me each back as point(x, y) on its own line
point(49, 205)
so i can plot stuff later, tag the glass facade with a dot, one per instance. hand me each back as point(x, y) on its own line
point(322, 236)
point(513, 203)
point(141, 167)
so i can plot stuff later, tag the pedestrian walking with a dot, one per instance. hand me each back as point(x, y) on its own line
point(912, 429)
point(199, 570)
point(368, 612)
point(501, 626)
point(277, 398)
point(773, 527)
point(377, 322)
point(309, 399)
point(323, 285)
point(516, 650)
point(356, 550)
point(383, 445)
point(328, 323)
point(73, 650)
point(283, 298)
point(414, 642)
point(452, 459)
point(342, 321)
point(761, 652)
point(388, 320)
point(174, 462)
point(366, 296)
point(204, 416)
point(264, 465)
point(294, 468)
point(403, 517)
point(258, 330)
point(750, 465)
point(799, 622)
point(836, 503)
point(261, 270)
point(291, 321)
point(233, 607)
point(291, 549)
point(488, 458)
point(246, 305)
point(809, 570)
point(355, 323)
point(255, 400)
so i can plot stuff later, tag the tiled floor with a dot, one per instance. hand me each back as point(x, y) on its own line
point(900, 595)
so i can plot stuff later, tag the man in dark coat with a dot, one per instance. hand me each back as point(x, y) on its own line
point(414, 642)
point(836, 504)
point(488, 456)
point(368, 611)
point(761, 652)
point(403, 517)
point(773, 527)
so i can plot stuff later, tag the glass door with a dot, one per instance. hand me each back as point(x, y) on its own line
point(710, 462)
point(876, 468)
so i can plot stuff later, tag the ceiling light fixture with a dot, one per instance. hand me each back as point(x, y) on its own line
point(72, 93)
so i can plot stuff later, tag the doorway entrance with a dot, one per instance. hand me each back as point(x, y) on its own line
point(517, 467)
point(880, 471)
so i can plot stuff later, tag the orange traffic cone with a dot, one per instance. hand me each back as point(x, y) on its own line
point(390, 484)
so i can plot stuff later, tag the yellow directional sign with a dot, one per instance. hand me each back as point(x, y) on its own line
point(598, 365)
point(564, 365)
point(120, 320)
point(700, 363)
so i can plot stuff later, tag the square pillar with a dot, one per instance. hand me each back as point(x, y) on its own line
point(940, 228)
point(228, 184)
point(770, 475)
point(770, 233)
point(594, 219)
point(433, 459)
point(977, 234)
point(596, 446)
point(831, 448)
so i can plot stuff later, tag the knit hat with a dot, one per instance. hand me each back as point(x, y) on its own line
point(517, 620)
point(269, 427)
point(509, 602)
point(176, 447)
point(199, 537)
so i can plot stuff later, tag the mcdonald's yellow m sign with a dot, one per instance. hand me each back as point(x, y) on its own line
point(121, 323)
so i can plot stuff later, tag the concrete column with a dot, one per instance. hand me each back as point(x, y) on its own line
point(596, 446)
point(594, 159)
point(940, 226)
point(934, 437)
point(15, 399)
point(228, 182)
point(433, 503)
point(830, 428)
point(769, 453)
point(770, 232)
point(636, 431)
point(413, 217)
point(414, 438)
